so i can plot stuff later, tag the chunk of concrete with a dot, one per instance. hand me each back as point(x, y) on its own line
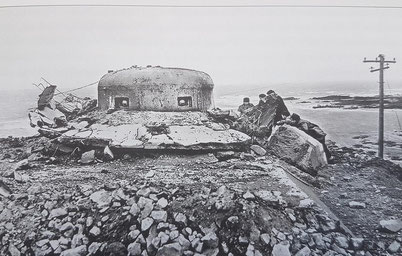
point(170, 249)
point(58, 213)
point(297, 148)
point(357, 205)
point(258, 150)
point(4, 189)
point(281, 249)
point(20, 178)
point(108, 154)
point(102, 198)
point(88, 157)
point(146, 223)
point(391, 226)
point(22, 165)
point(394, 247)
point(77, 251)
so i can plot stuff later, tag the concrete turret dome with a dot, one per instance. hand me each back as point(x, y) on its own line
point(156, 88)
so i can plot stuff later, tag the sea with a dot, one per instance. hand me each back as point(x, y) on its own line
point(341, 125)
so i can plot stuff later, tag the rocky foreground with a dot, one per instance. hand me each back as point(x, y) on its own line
point(157, 204)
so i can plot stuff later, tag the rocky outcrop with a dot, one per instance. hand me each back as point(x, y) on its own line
point(297, 148)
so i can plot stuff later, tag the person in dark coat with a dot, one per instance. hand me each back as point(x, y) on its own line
point(281, 109)
point(246, 106)
point(310, 128)
point(263, 99)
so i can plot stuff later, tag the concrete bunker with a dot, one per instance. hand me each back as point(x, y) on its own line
point(156, 89)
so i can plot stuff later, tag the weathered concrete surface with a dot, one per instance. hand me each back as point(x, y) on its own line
point(146, 133)
point(156, 88)
point(47, 117)
point(298, 148)
point(179, 137)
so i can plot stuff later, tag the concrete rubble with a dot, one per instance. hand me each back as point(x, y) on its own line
point(246, 204)
point(287, 142)
point(104, 184)
point(145, 130)
point(47, 117)
point(393, 225)
point(297, 148)
point(216, 130)
point(137, 136)
point(145, 218)
point(54, 113)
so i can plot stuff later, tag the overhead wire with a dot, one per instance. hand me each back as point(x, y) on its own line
point(65, 92)
point(396, 115)
point(78, 88)
point(52, 85)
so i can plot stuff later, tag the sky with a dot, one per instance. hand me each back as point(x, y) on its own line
point(238, 47)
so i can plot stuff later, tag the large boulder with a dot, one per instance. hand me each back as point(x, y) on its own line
point(297, 148)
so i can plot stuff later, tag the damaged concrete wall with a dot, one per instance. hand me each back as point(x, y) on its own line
point(156, 89)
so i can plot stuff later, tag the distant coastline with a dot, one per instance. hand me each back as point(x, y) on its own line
point(354, 102)
point(15, 104)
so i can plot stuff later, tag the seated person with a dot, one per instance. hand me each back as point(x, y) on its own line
point(310, 128)
point(243, 108)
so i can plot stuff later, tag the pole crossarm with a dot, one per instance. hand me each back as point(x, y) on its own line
point(366, 61)
point(378, 69)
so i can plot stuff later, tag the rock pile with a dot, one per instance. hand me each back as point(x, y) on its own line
point(125, 219)
point(167, 205)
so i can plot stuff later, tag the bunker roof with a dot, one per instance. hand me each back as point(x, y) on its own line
point(156, 76)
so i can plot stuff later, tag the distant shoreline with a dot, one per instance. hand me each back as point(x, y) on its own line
point(356, 102)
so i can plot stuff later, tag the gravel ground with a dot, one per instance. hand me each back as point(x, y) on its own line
point(171, 204)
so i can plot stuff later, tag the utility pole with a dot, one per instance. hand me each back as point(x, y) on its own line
point(382, 61)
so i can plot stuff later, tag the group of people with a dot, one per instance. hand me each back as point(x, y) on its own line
point(271, 110)
point(265, 101)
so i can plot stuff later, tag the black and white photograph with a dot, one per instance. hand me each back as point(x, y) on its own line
point(200, 127)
